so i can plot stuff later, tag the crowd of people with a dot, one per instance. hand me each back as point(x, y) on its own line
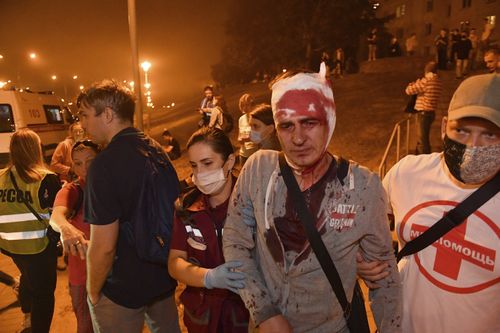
point(239, 237)
point(462, 49)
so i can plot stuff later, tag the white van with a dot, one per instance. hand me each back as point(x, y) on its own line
point(44, 113)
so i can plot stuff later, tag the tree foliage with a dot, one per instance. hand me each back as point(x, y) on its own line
point(266, 36)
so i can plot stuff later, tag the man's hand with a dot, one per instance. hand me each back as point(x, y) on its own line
point(73, 240)
point(276, 324)
point(371, 272)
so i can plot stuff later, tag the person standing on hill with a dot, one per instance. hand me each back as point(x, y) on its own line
point(474, 39)
point(464, 47)
point(247, 147)
point(411, 44)
point(372, 45)
point(394, 48)
point(441, 43)
point(428, 90)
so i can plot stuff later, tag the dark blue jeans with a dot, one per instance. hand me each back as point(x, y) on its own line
point(38, 282)
point(424, 120)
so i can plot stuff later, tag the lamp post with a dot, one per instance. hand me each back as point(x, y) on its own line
point(146, 65)
point(132, 27)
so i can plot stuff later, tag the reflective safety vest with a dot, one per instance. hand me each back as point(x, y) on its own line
point(20, 231)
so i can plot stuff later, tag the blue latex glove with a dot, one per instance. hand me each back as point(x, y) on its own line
point(224, 277)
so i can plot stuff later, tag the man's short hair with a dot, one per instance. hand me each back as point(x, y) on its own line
point(208, 88)
point(109, 94)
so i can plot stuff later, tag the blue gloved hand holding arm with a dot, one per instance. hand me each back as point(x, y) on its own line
point(224, 277)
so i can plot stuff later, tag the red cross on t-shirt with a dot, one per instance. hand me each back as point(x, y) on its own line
point(452, 248)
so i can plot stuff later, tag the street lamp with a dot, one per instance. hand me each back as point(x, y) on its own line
point(146, 65)
point(53, 77)
point(33, 55)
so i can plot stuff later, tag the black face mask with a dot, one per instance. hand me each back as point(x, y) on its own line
point(453, 156)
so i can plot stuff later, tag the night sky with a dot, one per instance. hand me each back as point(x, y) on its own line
point(90, 38)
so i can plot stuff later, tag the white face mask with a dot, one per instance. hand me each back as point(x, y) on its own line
point(255, 136)
point(209, 182)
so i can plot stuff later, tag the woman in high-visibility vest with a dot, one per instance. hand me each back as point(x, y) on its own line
point(27, 192)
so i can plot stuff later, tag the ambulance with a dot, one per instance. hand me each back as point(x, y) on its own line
point(42, 112)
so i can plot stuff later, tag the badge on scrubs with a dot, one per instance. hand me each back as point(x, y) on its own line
point(195, 238)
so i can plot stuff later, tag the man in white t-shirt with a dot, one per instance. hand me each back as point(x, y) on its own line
point(454, 284)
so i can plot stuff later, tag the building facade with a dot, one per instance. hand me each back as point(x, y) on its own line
point(426, 18)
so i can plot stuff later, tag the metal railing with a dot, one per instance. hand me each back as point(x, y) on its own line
point(396, 135)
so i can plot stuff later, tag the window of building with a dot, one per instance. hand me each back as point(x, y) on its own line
point(429, 5)
point(428, 29)
point(466, 3)
point(491, 20)
point(400, 10)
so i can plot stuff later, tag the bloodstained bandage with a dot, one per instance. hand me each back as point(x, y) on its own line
point(304, 103)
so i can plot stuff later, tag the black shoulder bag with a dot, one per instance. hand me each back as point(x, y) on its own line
point(52, 235)
point(354, 312)
point(410, 106)
point(454, 218)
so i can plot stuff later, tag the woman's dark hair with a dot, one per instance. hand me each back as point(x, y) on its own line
point(264, 113)
point(215, 138)
point(83, 144)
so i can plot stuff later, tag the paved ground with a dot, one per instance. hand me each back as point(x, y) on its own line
point(368, 106)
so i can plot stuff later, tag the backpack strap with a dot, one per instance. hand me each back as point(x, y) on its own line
point(453, 218)
point(342, 169)
point(25, 202)
point(356, 321)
